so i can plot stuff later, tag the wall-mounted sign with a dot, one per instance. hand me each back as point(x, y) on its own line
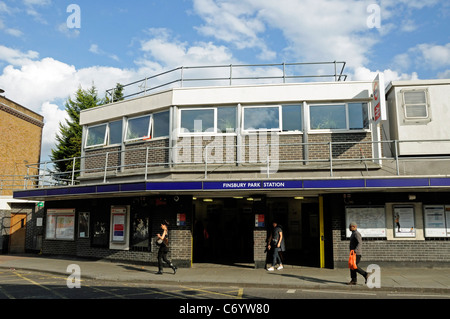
point(181, 219)
point(379, 99)
point(259, 220)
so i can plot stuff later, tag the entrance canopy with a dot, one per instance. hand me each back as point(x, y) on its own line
point(306, 186)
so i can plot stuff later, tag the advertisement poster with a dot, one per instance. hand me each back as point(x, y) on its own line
point(404, 225)
point(371, 221)
point(435, 221)
point(118, 224)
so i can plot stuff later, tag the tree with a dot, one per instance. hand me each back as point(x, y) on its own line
point(117, 94)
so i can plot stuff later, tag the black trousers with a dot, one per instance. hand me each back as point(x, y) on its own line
point(162, 256)
point(357, 270)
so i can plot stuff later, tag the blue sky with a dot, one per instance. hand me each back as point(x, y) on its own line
point(43, 61)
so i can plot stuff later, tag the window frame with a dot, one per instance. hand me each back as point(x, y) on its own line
point(405, 105)
point(105, 139)
point(347, 118)
point(149, 130)
point(280, 119)
point(215, 128)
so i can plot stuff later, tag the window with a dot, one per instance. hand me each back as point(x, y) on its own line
point(198, 120)
point(115, 132)
point(161, 124)
point(60, 224)
point(104, 134)
point(351, 116)
point(226, 119)
point(358, 116)
point(138, 128)
point(262, 118)
point(415, 104)
point(328, 117)
point(292, 118)
point(96, 136)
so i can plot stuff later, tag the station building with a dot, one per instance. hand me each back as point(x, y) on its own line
point(221, 162)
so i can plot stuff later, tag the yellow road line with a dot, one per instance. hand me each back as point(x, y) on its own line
point(39, 285)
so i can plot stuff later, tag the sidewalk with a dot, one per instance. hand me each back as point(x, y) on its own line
point(291, 277)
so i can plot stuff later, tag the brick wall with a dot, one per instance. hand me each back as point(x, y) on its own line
point(259, 254)
point(20, 143)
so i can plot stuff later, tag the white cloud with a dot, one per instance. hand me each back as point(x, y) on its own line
point(424, 56)
point(15, 57)
point(364, 74)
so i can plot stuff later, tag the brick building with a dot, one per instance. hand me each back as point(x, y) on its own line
point(20, 145)
point(221, 162)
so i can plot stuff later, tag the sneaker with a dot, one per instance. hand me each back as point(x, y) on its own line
point(280, 267)
point(270, 269)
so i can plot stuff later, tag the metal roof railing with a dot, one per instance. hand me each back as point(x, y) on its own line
point(233, 74)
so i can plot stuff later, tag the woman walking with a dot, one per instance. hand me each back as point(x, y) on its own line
point(163, 242)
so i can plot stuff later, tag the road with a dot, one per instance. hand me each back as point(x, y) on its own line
point(33, 285)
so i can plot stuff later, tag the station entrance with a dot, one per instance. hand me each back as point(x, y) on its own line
point(223, 229)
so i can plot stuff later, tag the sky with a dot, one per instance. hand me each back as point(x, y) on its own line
point(50, 48)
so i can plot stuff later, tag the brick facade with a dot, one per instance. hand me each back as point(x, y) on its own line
point(21, 135)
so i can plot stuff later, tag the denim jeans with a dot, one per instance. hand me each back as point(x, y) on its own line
point(276, 256)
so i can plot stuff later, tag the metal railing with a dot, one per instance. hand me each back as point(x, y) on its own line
point(9, 183)
point(231, 74)
point(267, 160)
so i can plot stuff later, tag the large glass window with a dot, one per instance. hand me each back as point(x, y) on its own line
point(327, 117)
point(138, 128)
point(161, 124)
point(96, 136)
point(115, 132)
point(197, 121)
point(292, 118)
point(351, 116)
point(261, 118)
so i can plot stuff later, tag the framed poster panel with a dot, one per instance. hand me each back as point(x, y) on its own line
point(434, 217)
point(404, 222)
point(371, 220)
point(120, 228)
point(118, 225)
point(60, 224)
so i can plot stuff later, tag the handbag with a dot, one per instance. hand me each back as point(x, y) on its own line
point(352, 260)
